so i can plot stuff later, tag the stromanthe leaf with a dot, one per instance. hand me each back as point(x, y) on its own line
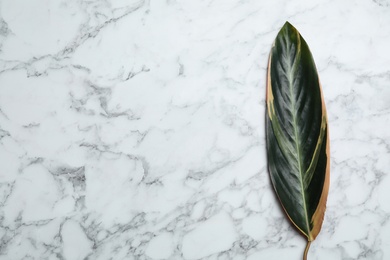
point(297, 133)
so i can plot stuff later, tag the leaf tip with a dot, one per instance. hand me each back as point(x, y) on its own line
point(288, 25)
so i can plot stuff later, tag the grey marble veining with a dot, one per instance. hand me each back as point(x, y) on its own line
point(135, 129)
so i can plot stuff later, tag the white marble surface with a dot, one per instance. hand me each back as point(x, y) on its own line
point(135, 129)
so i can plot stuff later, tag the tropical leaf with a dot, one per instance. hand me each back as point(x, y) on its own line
point(297, 133)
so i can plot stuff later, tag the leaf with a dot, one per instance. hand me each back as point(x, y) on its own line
point(297, 133)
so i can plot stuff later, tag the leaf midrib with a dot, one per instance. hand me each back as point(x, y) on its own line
point(296, 136)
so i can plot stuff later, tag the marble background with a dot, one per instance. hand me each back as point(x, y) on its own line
point(134, 129)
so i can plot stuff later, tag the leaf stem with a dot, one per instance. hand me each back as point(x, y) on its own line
point(306, 250)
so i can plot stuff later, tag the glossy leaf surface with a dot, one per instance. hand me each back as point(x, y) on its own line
point(297, 132)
